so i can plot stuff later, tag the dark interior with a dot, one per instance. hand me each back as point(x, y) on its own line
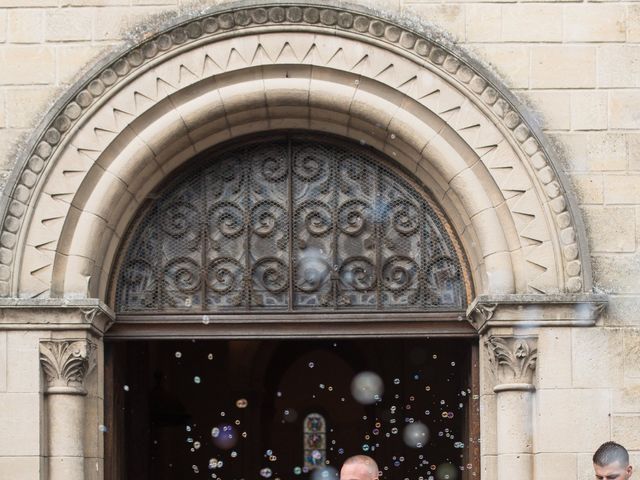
point(168, 397)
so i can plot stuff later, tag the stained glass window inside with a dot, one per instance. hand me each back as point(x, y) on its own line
point(314, 440)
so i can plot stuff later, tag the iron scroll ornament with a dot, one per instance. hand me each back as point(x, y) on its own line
point(291, 224)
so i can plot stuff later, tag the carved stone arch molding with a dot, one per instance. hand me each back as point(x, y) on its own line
point(231, 73)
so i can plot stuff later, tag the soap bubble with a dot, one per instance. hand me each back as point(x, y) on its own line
point(206, 319)
point(224, 436)
point(178, 354)
point(126, 388)
point(196, 379)
point(324, 473)
point(446, 471)
point(416, 435)
point(266, 473)
point(367, 388)
point(242, 403)
point(290, 415)
point(102, 428)
point(311, 364)
point(297, 470)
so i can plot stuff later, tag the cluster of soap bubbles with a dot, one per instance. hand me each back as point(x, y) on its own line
point(224, 436)
point(367, 388)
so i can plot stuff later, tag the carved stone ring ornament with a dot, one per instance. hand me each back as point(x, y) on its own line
point(66, 364)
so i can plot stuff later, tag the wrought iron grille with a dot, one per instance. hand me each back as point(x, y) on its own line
point(291, 224)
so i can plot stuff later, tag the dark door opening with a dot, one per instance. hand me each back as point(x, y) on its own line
point(285, 409)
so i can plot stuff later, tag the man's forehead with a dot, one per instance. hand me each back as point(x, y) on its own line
point(357, 470)
point(608, 469)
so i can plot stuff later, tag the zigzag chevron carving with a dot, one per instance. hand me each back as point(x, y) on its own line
point(449, 88)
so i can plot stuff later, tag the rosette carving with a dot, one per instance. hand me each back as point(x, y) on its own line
point(66, 364)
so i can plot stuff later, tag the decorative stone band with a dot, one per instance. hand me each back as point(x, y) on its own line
point(528, 311)
point(66, 364)
point(295, 17)
point(513, 361)
point(85, 315)
point(514, 387)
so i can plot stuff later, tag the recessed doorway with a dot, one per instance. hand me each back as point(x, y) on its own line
point(291, 409)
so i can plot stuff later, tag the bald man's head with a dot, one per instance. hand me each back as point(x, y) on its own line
point(359, 467)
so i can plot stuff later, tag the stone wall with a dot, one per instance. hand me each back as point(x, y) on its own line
point(577, 66)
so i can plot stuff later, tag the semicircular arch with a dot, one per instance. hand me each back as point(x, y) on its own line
point(232, 73)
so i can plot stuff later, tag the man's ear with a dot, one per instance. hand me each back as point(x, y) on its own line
point(629, 471)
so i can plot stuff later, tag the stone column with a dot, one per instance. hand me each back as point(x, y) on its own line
point(66, 364)
point(513, 360)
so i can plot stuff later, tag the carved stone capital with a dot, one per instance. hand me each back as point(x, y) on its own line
point(513, 361)
point(66, 364)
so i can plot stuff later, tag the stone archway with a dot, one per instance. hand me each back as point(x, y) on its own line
point(129, 125)
point(256, 69)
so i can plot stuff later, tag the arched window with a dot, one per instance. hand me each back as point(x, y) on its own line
point(292, 224)
point(314, 440)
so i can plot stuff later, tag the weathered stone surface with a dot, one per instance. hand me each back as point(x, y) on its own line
point(624, 106)
point(33, 62)
point(521, 23)
point(59, 28)
point(588, 110)
point(594, 23)
point(25, 26)
point(596, 361)
point(554, 363)
point(626, 430)
point(555, 465)
point(620, 234)
point(616, 274)
point(555, 107)
point(26, 106)
point(588, 188)
point(622, 189)
point(563, 67)
point(581, 414)
point(20, 423)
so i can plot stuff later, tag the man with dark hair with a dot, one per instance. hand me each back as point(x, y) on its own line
point(359, 467)
point(611, 462)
